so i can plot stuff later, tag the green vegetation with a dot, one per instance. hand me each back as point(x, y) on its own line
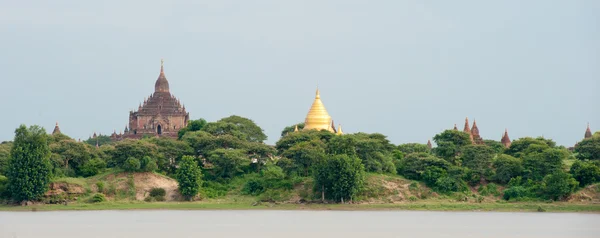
point(226, 164)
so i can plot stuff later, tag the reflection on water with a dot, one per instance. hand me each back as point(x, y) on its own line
point(288, 224)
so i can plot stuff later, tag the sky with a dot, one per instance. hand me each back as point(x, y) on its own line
point(408, 69)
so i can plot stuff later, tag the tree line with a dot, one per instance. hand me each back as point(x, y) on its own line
point(207, 156)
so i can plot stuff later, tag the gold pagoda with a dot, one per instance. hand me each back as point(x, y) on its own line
point(318, 118)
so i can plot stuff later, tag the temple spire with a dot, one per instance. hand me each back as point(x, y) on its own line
point(505, 139)
point(588, 132)
point(57, 129)
point(317, 117)
point(161, 85)
point(467, 128)
point(296, 128)
point(455, 128)
point(339, 130)
point(429, 144)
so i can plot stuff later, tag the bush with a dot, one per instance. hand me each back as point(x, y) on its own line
point(339, 177)
point(412, 198)
point(253, 187)
point(515, 193)
point(156, 194)
point(132, 165)
point(148, 164)
point(3, 190)
point(559, 185)
point(92, 167)
point(489, 189)
point(507, 167)
point(98, 197)
point(448, 184)
point(189, 177)
point(432, 174)
point(100, 186)
point(585, 173)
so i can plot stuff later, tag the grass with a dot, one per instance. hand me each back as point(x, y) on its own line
point(69, 180)
point(244, 204)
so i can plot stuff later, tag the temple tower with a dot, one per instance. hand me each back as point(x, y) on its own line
point(505, 139)
point(588, 132)
point(57, 129)
point(317, 117)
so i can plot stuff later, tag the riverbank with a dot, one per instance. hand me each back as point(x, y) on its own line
point(420, 206)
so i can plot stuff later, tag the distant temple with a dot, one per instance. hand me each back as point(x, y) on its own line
point(505, 139)
point(588, 132)
point(473, 132)
point(318, 118)
point(161, 114)
point(56, 130)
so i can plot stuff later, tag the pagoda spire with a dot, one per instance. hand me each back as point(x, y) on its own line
point(296, 128)
point(505, 139)
point(455, 128)
point(467, 128)
point(161, 85)
point(57, 129)
point(588, 132)
point(339, 130)
point(429, 144)
point(317, 117)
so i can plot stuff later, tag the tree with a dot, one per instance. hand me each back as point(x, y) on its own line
point(289, 129)
point(495, 145)
point(449, 144)
point(507, 167)
point(100, 140)
point(148, 164)
point(375, 151)
point(193, 125)
point(228, 163)
point(189, 177)
point(518, 147)
point(414, 148)
point(305, 154)
point(292, 139)
point(585, 173)
point(413, 166)
point(558, 185)
point(477, 158)
point(537, 165)
point(132, 165)
point(4, 156)
point(29, 167)
point(342, 145)
point(339, 177)
point(170, 152)
point(128, 148)
point(246, 126)
point(92, 167)
point(588, 149)
point(71, 155)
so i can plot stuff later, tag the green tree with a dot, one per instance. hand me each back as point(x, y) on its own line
point(375, 151)
point(449, 144)
point(228, 163)
point(132, 165)
point(495, 145)
point(189, 177)
point(589, 149)
point(339, 177)
point(29, 167)
point(148, 164)
point(585, 173)
point(558, 185)
point(537, 165)
point(170, 152)
point(414, 148)
point(131, 148)
point(92, 167)
point(305, 154)
point(4, 156)
point(414, 165)
point(71, 155)
point(507, 167)
point(519, 147)
point(291, 128)
point(100, 140)
point(477, 158)
point(291, 139)
point(237, 126)
point(193, 125)
point(342, 145)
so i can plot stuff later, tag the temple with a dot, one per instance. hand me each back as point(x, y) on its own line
point(588, 132)
point(472, 131)
point(505, 139)
point(161, 114)
point(57, 129)
point(318, 118)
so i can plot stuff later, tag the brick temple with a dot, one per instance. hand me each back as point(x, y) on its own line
point(161, 114)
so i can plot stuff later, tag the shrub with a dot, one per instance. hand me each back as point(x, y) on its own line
point(515, 193)
point(412, 198)
point(432, 174)
point(489, 189)
point(339, 177)
point(507, 167)
point(100, 186)
point(92, 167)
point(448, 184)
point(3, 190)
point(559, 185)
point(157, 192)
point(132, 165)
point(148, 164)
point(585, 173)
point(189, 177)
point(253, 187)
point(98, 197)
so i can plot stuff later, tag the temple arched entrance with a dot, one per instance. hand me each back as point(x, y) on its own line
point(159, 129)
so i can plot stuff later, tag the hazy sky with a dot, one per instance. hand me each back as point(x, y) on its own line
point(407, 69)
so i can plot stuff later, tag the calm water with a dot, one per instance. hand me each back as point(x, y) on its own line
point(305, 224)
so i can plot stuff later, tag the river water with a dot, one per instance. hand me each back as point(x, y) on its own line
point(289, 224)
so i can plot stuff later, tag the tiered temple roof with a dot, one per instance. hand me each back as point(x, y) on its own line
point(505, 139)
point(56, 129)
point(588, 132)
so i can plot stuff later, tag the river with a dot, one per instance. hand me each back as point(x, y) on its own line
point(290, 224)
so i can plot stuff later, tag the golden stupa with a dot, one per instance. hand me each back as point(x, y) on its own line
point(317, 117)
